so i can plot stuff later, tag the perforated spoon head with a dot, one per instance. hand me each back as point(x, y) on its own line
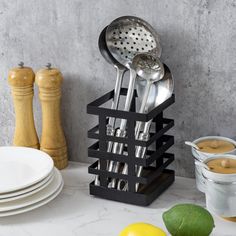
point(159, 91)
point(128, 35)
point(148, 67)
point(105, 52)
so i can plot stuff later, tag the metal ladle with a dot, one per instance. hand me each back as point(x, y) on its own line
point(125, 37)
point(120, 70)
point(150, 69)
point(160, 92)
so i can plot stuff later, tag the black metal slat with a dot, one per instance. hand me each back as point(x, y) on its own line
point(167, 160)
point(95, 109)
point(169, 123)
point(103, 148)
point(169, 141)
point(94, 152)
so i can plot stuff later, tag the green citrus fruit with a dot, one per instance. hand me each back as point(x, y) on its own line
point(188, 220)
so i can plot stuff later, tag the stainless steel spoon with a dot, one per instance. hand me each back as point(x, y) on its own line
point(202, 164)
point(120, 70)
point(160, 91)
point(150, 69)
point(191, 144)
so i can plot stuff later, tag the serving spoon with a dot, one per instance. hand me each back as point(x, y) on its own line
point(159, 92)
point(150, 69)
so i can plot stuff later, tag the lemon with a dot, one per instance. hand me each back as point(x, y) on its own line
point(188, 220)
point(142, 229)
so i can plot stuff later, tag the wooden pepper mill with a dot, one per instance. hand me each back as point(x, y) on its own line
point(53, 141)
point(21, 80)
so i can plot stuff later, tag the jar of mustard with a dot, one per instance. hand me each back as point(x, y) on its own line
point(220, 185)
point(210, 146)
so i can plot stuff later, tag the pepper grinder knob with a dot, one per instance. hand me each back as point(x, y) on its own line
point(21, 80)
point(49, 66)
point(53, 142)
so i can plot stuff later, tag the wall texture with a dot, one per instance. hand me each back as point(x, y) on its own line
point(198, 40)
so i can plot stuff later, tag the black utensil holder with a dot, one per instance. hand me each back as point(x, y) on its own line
point(155, 177)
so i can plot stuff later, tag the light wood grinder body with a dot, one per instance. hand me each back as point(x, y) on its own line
point(53, 141)
point(21, 80)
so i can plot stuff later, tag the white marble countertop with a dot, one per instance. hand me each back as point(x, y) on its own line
point(75, 212)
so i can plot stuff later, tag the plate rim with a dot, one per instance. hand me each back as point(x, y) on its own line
point(33, 206)
point(13, 189)
point(31, 192)
point(37, 198)
point(30, 188)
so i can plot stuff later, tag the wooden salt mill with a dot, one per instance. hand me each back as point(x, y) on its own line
point(53, 141)
point(21, 80)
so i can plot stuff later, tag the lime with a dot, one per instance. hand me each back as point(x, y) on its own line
point(142, 229)
point(188, 220)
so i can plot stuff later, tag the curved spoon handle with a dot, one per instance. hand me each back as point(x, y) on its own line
point(191, 144)
point(202, 164)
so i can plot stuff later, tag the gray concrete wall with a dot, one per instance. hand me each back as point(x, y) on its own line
point(198, 40)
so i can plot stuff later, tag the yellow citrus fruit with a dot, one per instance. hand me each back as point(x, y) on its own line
point(142, 229)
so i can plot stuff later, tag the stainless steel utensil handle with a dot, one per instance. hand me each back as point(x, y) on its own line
point(142, 108)
point(129, 97)
point(146, 136)
point(114, 105)
point(118, 147)
point(137, 131)
point(122, 184)
point(115, 102)
point(139, 153)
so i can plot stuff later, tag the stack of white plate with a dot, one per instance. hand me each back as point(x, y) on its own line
point(28, 180)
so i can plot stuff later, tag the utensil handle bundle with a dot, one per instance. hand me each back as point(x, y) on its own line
point(140, 152)
point(114, 106)
point(118, 148)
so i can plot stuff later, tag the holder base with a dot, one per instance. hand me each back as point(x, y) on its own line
point(143, 198)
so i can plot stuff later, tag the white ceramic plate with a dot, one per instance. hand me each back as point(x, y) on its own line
point(28, 189)
point(33, 206)
point(37, 197)
point(21, 167)
point(32, 191)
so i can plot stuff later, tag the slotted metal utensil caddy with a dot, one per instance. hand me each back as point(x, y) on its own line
point(156, 178)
